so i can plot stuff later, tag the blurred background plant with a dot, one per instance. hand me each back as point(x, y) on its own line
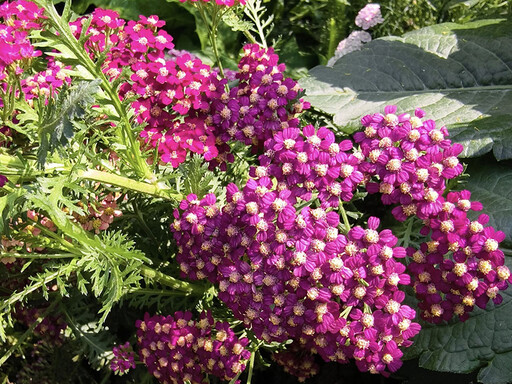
point(304, 33)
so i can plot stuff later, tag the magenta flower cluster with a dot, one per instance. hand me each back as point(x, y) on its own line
point(177, 349)
point(462, 265)
point(124, 358)
point(171, 96)
point(410, 161)
point(17, 52)
point(289, 273)
point(184, 105)
point(264, 101)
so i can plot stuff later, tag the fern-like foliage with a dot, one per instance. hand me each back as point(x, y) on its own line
point(255, 11)
point(197, 178)
point(56, 122)
point(106, 265)
point(94, 341)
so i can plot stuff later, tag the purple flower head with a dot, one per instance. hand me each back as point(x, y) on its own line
point(369, 16)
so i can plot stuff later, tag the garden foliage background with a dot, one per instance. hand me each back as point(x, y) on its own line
point(451, 58)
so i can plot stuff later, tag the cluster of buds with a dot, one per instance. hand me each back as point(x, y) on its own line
point(124, 358)
point(178, 349)
point(297, 362)
point(99, 214)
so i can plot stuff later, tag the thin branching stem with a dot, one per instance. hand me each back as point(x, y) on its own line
point(125, 131)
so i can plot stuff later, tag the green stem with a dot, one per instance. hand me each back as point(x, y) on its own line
point(66, 244)
point(333, 32)
point(28, 171)
point(212, 30)
point(27, 291)
point(140, 218)
point(407, 234)
point(252, 13)
point(251, 367)
point(159, 292)
point(171, 282)
point(38, 256)
point(346, 312)
point(344, 216)
point(133, 185)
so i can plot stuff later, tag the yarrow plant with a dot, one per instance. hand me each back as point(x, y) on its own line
point(172, 221)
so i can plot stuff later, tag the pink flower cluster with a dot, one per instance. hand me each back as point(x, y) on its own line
point(227, 3)
point(16, 50)
point(178, 349)
point(368, 17)
point(99, 214)
point(46, 83)
point(462, 265)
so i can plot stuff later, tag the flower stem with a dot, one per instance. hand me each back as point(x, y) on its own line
point(27, 170)
point(346, 312)
point(251, 367)
point(344, 216)
point(252, 13)
point(171, 282)
point(133, 185)
point(212, 25)
point(407, 235)
point(332, 37)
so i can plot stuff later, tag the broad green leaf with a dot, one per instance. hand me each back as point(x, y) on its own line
point(483, 341)
point(461, 75)
point(491, 184)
